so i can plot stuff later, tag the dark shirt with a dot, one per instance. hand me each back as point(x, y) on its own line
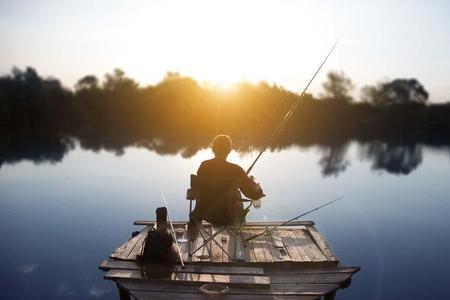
point(220, 169)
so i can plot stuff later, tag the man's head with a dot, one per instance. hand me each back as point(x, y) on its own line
point(221, 145)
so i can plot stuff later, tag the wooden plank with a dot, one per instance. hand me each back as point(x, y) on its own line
point(138, 247)
point(276, 223)
point(310, 278)
point(290, 270)
point(232, 270)
point(191, 244)
point(249, 253)
point(280, 248)
point(124, 250)
point(249, 281)
point(290, 246)
point(212, 269)
point(303, 289)
point(259, 248)
point(321, 243)
point(263, 224)
point(200, 255)
point(232, 280)
point(276, 239)
point(147, 295)
point(309, 245)
point(274, 251)
point(275, 289)
point(229, 245)
point(298, 245)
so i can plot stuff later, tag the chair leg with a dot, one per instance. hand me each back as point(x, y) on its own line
point(237, 236)
point(212, 239)
point(220, 246)
point(205, 241)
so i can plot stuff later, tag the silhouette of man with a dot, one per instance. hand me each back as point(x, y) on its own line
point(219, 168)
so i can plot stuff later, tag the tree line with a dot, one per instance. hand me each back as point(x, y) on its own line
point(180, 113)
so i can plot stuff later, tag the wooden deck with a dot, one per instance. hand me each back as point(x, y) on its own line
point(295, 261)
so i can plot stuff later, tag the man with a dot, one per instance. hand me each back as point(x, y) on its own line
point(218, 169)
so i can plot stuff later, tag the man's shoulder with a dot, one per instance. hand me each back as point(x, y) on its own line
point(207, 162)
point(222, 163)
point(236, 167)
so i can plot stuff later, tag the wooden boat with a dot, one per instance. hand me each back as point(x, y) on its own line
point(294, 262)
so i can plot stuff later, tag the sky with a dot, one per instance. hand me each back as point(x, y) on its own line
point(222, 42)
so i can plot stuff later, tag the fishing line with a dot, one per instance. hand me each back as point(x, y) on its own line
point(290, 112)
point(269, 231)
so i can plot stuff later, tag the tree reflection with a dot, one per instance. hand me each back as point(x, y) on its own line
point(179, 116)
point(395, 158)
point(333, 160)
point(35, 148)
point(392, 157)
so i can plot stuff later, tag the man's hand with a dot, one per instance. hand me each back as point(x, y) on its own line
point(258, 187)
point(260, 191)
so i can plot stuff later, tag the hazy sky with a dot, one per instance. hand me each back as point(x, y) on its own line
point(227, 41)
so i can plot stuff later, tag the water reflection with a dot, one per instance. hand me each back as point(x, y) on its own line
point(395, 157)
point(48, 148)
point(333, 160)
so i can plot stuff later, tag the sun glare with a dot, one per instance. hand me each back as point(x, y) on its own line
point(218, 44)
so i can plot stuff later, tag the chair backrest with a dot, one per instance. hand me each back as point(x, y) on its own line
point(215, 199)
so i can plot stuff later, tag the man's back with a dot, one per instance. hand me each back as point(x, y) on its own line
point(219, 169)
point(216, 203)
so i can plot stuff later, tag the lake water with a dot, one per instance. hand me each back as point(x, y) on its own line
point(59, 221)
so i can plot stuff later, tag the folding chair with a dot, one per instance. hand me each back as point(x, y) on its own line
point(215, 204)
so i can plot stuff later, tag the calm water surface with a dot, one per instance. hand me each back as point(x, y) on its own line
point(59, 221)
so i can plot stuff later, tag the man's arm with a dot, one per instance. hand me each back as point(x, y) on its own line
point(249, 187)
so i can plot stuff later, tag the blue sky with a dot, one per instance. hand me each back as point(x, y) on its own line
point(226, 41)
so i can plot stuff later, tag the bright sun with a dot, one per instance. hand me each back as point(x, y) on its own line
point(221, 45)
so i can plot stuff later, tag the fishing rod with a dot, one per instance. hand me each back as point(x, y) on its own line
point(269, 231)
point(290, 112)
point(173, 230)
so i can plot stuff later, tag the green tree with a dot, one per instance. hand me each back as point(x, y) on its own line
point(398, 91)
point(338, 87)
point(117, 81)
point(88, 82)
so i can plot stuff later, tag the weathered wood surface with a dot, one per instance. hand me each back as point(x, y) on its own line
point(296, 243)
point(275, 289)
point(227, 269)
point(321, 242)
point(294, 223)
point(129, 249)
point(247, 281)
point(293, 262)
point(235, 270)
point(147, 295)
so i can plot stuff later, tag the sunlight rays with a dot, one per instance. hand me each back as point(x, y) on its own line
point(225, 43)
